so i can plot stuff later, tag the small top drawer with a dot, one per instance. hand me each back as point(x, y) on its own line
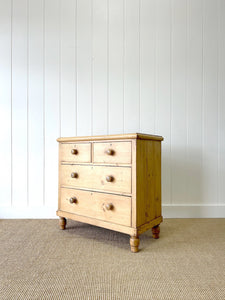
point(75, 152)
point(115, 152)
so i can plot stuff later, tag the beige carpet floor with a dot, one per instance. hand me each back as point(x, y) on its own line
point(40, 261)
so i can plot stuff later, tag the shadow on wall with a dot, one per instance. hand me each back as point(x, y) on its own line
point(182, 176)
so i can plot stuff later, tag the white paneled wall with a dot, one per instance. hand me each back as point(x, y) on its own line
point(83, 67)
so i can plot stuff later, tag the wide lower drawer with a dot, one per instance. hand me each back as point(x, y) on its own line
point(72, 152)
point(116, 179)
point(112, 152)
point(102, 206)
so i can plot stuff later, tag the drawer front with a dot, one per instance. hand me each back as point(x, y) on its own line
point(116, 179)
point(82, 176)
point(106, 207)
point(117, 152)
point(80, 152)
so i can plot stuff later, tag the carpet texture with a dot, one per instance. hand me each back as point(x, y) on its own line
point(40, 261)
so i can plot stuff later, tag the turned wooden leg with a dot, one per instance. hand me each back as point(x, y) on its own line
point(134, 243)
point(155, 232)
point(62, 223)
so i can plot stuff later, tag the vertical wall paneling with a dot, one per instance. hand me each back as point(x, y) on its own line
point(132, 66)
point(210, 101)
point(116, 38)
point(35, 104)
point(194, 102)
point(221, 103)
point(178, 112)
point(5, 102)
point(68, 68)
point(19, 102)
point(84, 67)
point(99, 66)
point(163, 90)
point(52, 94)
point(147, 65)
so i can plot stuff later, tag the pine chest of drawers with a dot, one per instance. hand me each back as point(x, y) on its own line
point(111, 181)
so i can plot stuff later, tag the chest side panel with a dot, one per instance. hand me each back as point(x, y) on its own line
point(148, 181)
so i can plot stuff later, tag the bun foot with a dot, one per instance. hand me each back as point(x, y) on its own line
point(155, 232)
point(134, 243)
point(62, 223)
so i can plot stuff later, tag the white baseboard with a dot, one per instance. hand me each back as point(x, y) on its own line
point(168, 211)
point(193, 211)
point(42, 212)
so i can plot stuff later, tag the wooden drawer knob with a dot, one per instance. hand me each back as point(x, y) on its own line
point(109, 178)
point(109, 206)
point(74, 175)
point(110, 151)
point(73, 200)
point(74, 151)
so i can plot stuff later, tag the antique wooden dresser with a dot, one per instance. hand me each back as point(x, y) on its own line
point(111, 181)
